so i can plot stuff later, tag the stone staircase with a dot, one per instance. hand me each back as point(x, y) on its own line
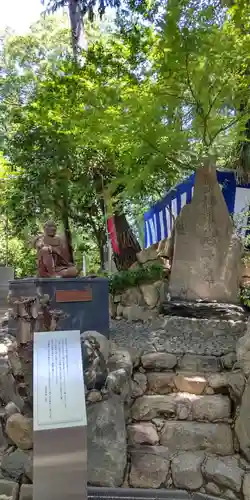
point(187, 389)
point(180, 432)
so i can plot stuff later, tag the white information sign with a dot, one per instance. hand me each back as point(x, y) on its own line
point(58, 382)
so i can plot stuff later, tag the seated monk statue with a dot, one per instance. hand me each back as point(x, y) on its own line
point(52, 254)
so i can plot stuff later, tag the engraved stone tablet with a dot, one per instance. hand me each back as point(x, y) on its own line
point(60, 425)
point(207, 253)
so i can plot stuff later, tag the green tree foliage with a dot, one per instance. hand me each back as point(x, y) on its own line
point(188, 102)
point(139, 109)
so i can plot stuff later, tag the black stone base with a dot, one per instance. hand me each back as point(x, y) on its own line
point(84, 301)
point(204, 310)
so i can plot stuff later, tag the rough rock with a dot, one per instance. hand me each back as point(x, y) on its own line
point(136, 313)
point(148, 254)
point(101, 339)
point(242, 427)
point(246, 486)
point(228, 360)
point(207, 252)
point(164, 249)
point(160, 383)
point(150, 294)
point(243, 352)
point(224, 472)
point(186, 470)
point(211, 408)
point(29, 466)
point(142, 433)
point(107, 446)
point(11, 409)
point(230, 495)
point(14, 360)
point(119, 311)
point(139, 384)
point(6, 487)
point(235, 382)
point(14, 464)
point(95, 366)
point(2, 438)
point(192, 436)
point(158, 361)
point(20, 430)
point(194, 384)
point(112, 307)
point(94, 396)
point(26, 492)
point(213, 489)
point(119, 382)
point(8, 391)
point(149, 467)
point(132, 296)
point(148, 407)
point(199, 364)
point(120, 359)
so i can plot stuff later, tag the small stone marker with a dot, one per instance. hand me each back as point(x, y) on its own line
point(60, 424)
point(207, 253)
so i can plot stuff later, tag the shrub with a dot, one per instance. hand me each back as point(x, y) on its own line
point(128, 279)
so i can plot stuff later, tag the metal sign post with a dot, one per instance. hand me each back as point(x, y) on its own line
point(60, 424)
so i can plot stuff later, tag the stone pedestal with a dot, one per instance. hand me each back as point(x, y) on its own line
point(83, 302)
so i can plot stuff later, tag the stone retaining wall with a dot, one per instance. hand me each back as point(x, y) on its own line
point(139, 303)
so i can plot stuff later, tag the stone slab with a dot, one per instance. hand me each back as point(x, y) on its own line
point(182, 406)
point(178, 335)
point(194, 436)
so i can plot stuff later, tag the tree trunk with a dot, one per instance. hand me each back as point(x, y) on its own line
point(75, 24)
point(101, 240)
point(243, 162)
point(66, 227)
point(127, 243)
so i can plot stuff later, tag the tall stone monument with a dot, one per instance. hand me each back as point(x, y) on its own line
point(207, 253)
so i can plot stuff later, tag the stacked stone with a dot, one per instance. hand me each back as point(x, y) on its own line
point(139, 303)
point(142, 303)
point(16, 392)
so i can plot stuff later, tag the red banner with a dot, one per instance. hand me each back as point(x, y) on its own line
point(113, 236)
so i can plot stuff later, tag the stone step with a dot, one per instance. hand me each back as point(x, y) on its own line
point(177, 435)
point(182, 406)
point(6, 487)
point(195, 383)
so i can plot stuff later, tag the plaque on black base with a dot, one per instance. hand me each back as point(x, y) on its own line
point(60, 424)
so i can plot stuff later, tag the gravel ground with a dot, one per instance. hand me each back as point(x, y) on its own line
point(173, 335)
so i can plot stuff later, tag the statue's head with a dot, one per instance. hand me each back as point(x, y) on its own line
point(50, 228)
